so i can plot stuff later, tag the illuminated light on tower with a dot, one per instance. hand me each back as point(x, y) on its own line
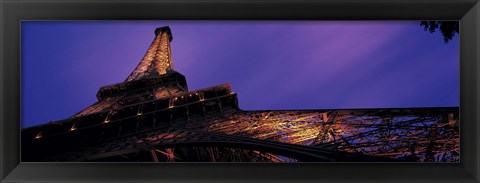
point(39, 135)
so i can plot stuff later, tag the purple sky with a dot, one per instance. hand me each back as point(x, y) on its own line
point(270, 64)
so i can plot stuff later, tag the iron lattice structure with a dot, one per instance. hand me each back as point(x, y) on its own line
point(152, 116)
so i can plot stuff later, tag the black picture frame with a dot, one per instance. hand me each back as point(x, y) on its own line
point(14, 11)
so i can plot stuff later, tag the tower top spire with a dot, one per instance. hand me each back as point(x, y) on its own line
point(158, 58)
point(166, 29)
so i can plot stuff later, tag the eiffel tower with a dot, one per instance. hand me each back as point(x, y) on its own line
point(153, 117)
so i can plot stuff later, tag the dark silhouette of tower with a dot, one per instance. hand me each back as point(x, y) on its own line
point(152, 116)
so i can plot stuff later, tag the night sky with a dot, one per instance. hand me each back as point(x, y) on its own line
point(270, 64)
